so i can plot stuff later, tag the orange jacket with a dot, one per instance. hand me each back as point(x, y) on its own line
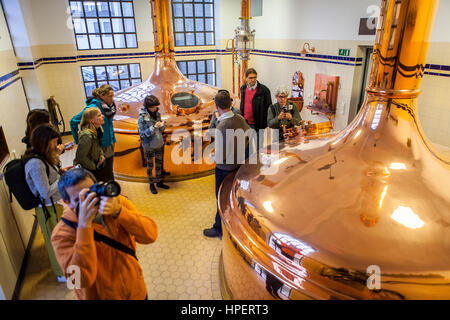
point(106, 273)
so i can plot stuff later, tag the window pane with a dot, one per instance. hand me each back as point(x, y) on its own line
point(92, 25)
point(123, 72)
point(135, 81)
point(95, 41)
point(193, 77)
point(189, 24)
point(179, 39)
point(190, 39)
point(115, 9)
point(112, 72)
point(129, 25)
point(105, 26)
point(117, 25)
point(100, 83)
point(177, 10)
point(211, 79)
point(179, 25)
point(199, 10)
point(100, 72)
point(201, 66)
point(202, 78)
point(115, 85)
point(131, 40)
point(108, 42)
point(199, 25)
point(79, 25)
point(82, 42)
point(124, 84)
point(119, 40)
point(200, 37)
point(209, 25)
point(88, 73)
point(209, 10)
point(127, 8)
point(102, 8)
point(76, 8)
point(135, 70)
point(210, 65)
point(192, 68)
point(89, 9)
point(89, 87)
point(182, 67)
point(209, 38)
point(188, 10)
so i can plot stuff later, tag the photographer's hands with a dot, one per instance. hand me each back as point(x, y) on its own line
point(87, 209)
point(110, 206)
point(91, 205)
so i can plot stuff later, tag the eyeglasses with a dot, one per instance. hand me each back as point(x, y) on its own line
point(282, 97)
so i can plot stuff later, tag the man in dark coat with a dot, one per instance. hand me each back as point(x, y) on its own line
point(255, 102)
point(256, 116)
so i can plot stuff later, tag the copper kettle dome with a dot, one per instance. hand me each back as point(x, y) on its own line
point(373, 197)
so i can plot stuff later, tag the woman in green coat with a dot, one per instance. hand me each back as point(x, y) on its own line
point(89, 153)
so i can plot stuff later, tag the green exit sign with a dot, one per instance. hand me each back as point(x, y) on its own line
point(344, 52)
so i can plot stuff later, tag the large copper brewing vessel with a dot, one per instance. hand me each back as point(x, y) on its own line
point(168, 84)
point(363, 214)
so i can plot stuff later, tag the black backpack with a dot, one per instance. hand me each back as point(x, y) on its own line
point(14, 172)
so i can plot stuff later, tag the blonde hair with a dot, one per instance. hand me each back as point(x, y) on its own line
point(86, 119)
point(103, 90)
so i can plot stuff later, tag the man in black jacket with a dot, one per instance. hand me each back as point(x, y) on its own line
point(255, 102)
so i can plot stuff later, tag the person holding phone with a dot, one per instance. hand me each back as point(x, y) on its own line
point(151, 130)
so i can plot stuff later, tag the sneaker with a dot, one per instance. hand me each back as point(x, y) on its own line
point(212, 233)
point(61, 279)
point(152, 188)
point(162, 185)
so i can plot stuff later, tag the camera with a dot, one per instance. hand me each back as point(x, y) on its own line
point(105, 189)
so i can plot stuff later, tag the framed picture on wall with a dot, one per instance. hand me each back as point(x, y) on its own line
point(4, 150)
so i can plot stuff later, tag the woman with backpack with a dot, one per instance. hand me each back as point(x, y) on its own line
point(42, 176)
point(103, 99)
point(89, 153)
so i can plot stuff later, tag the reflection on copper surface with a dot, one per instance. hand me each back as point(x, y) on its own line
point(407, 217)
point(374, 194)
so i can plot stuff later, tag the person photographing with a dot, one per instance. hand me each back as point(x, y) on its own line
point(95, 241)
point(283, 113)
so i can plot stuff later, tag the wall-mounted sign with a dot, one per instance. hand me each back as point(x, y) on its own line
point(344, 52)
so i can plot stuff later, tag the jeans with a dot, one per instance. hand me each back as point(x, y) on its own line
point(220, 176)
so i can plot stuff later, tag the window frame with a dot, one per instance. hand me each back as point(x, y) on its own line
point(108, 80)
point(110, 17)
point(194, 18)
point(206, 73)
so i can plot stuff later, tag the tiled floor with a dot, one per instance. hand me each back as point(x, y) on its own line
point(181, 264)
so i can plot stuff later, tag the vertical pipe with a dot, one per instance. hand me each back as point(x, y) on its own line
point(162, 26)
point(232, 65)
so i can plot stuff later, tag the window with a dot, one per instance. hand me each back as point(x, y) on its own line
point(119, 76)
point(193, 22)
point(103, 24)
point(199, 70)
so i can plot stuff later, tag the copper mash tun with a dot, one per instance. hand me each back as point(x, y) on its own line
point(361, 214)
point(185, 104)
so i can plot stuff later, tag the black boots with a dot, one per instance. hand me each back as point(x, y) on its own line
point(162, 185)
point(152, 188)
point(159, 185)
